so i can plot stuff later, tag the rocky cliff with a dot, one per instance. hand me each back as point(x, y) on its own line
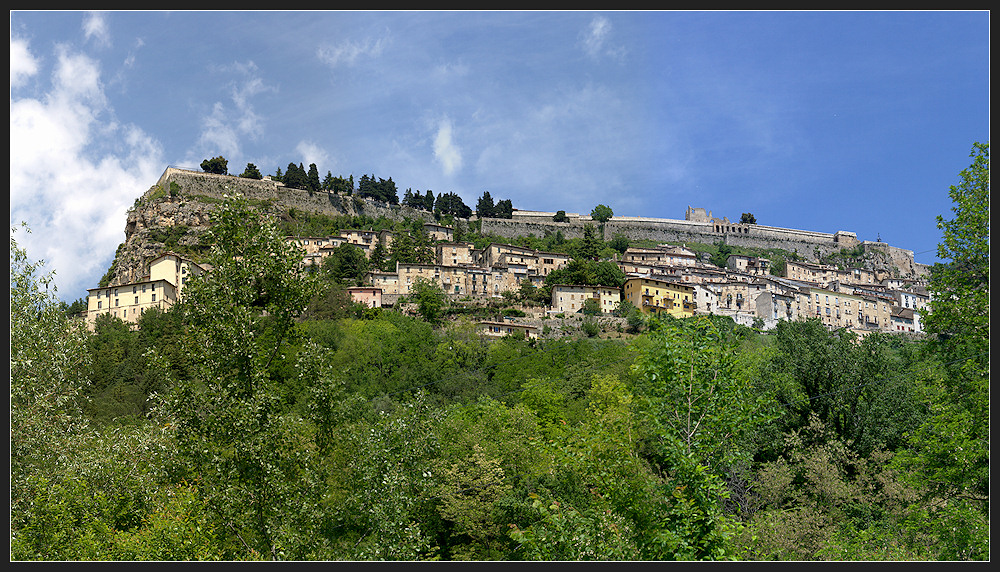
point(174, 213)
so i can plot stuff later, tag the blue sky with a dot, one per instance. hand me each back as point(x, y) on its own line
point(824, 121)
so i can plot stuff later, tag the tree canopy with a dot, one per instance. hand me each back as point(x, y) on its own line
point(216, 165)
point(602, 213)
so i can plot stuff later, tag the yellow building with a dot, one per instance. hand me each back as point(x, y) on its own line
point(659, 296)
point(160, 288)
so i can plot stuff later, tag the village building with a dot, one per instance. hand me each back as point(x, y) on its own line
point(661, 256)
point(752, 265)
point(706, 298)
point(905, 320)
point(773, 307)
point(837, 309)
point(439, 232)
point(455, 253)
point(549, 261)
point(387, 282)
point(652, 296)
point(160, 288)
point(501, 329)
point(569, 298)
point(368, 295)
point(916, 299)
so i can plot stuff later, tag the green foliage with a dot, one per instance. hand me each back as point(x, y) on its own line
point(949, 453)
point(430, 299)
point(346, 264)
point(382, 479)
point(123, 373)
point(453, 205)
point(230, 431)
point(619, 243)
point(585, 272)
point(378, 188)
point(697, 404)
point(251, 172)
point(48, 374)
point(862, 390)
point(294, 424)
point(217, 165)
point(563, 533)
point(590, 247)
point(602, 213)
point(591, 307)
point(721, 255)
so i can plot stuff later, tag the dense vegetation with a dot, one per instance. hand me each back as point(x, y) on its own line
point(238, 426)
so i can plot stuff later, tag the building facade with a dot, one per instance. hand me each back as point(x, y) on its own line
point(160, 288)
point(657, 296)
point(569, 299)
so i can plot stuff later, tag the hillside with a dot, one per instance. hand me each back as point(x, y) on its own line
point(174, 212)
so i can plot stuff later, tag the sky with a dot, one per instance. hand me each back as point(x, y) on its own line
point(814, 120)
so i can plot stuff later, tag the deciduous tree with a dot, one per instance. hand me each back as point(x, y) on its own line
point(254, 471)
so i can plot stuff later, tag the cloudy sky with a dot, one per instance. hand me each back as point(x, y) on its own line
point(824, 121)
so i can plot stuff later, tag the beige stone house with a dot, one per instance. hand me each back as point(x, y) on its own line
point(501, 329)
point(455, 253)
point(569, 298)
point(388, 282)
point(753, 265)
point(660, 256)
point(160, 288)
point(549, 261)
point(439, 232)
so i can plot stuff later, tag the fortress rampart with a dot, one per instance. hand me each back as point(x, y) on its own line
point(282, 197)
point(805, 243)
point(700, 226)
point(706, 230)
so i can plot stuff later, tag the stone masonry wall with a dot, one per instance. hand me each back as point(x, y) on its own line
point(158, 210)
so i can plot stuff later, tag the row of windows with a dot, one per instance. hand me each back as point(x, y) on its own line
point(134, 290)
point(117, 301)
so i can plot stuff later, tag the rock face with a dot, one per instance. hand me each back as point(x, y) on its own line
point(174, 213)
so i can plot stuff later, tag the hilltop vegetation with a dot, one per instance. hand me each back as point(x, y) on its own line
point(267, 417)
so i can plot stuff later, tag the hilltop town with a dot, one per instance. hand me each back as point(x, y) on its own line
point(659, 271)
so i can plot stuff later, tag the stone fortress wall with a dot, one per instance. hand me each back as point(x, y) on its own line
point(698, 225)
point(284, 198)
point(701, 227)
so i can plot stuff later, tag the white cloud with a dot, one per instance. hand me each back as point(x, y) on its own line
point(226, 125)
point(445, 150)
point(96, 28)
point(72, 193)
point(349, 52)
point(595, 40)
point(312, 153)
point(22, 64)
